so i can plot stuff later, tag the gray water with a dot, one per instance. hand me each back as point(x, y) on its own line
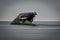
point(39, 31)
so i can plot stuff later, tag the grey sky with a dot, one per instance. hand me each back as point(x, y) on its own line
point(47, 10)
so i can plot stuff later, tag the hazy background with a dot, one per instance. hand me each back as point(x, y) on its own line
point(47, 10)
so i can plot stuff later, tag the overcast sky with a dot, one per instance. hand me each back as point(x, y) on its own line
point(47, 10)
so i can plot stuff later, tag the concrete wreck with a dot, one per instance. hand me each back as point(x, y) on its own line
point(24, 18)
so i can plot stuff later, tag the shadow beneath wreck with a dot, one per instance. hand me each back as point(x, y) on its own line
point(23, 24)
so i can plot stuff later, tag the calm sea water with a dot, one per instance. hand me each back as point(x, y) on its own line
point(39, 31)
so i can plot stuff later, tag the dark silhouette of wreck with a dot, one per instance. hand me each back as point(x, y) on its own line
point(22, 17)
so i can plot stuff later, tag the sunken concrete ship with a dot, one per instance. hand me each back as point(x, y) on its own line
point(24, 18)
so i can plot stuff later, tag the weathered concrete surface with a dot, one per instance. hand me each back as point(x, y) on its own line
point(24, 16)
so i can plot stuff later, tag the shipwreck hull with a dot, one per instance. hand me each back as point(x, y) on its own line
point(24, 18)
